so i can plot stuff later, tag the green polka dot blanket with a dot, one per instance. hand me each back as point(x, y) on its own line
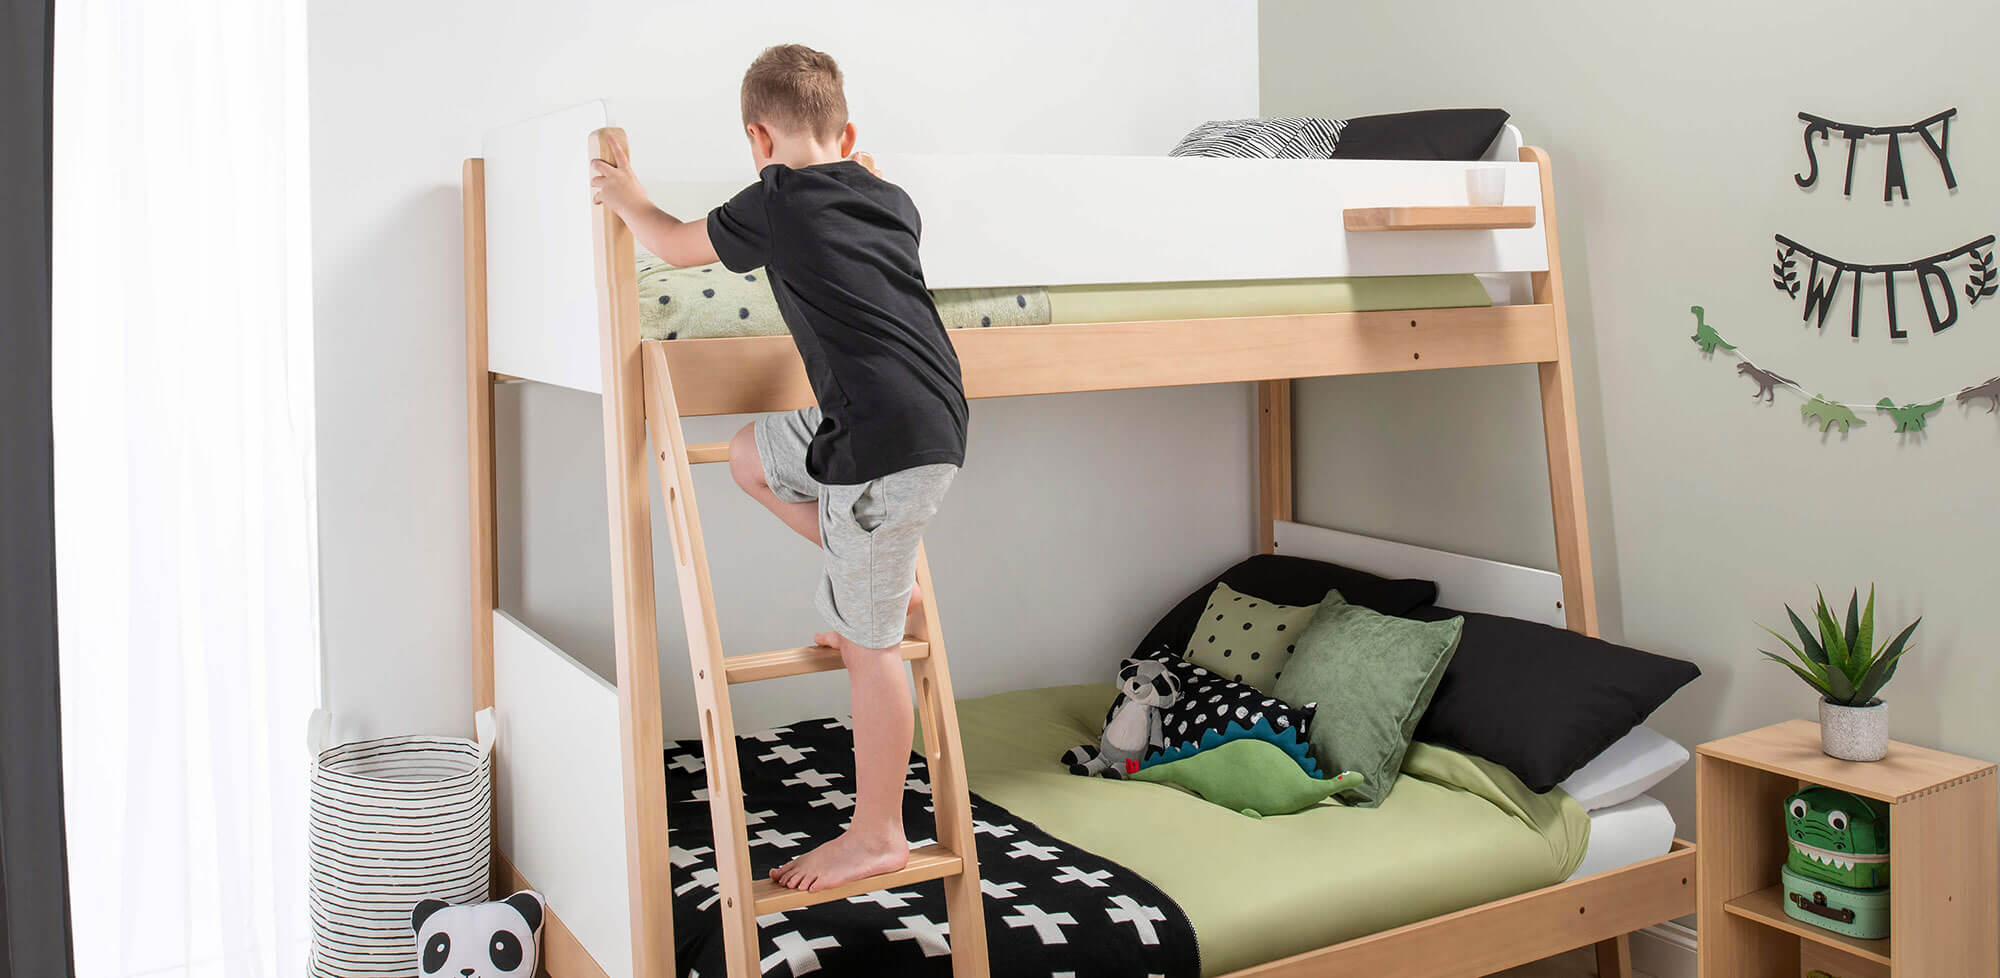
point(709, 301)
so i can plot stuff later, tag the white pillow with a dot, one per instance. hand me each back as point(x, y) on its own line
point(1625, 770)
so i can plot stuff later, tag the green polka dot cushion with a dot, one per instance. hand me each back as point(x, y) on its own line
point(709, 301)
point(1246, 638)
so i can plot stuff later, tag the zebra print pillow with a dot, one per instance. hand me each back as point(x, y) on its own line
point(1281, 139)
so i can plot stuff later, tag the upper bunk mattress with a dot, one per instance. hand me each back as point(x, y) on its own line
point(1455, 832)
point(711, 301)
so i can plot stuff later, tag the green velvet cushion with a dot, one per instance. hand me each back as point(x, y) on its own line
point(1249, 776)
point(1372, 676)
point(1246, 638)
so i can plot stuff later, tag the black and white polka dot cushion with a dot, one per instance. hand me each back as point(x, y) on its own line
point(1214, 710)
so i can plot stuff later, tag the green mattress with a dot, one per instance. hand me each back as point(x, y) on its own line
point(1455, 832)
point(711, 301)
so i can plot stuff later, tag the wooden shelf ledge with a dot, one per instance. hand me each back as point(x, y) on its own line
point(1463, 218)
point(926, 863)
point(1767, 907)
point(797, 662)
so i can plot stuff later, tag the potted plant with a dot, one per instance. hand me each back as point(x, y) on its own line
point(1844, 665)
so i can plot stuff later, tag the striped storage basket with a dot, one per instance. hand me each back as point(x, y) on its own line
point(394, 821)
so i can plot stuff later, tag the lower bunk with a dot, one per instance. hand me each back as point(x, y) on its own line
point(1461, 871)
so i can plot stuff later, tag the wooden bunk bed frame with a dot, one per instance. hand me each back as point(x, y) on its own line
point(661, 382)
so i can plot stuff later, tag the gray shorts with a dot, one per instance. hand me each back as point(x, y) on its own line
point(869, 532)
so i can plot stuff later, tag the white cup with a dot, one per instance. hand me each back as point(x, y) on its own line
point(1485, 186)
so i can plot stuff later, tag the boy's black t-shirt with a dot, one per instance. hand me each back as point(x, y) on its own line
point(840, 247)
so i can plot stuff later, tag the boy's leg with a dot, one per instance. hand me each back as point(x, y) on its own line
point(871, 535)
point(746, 464)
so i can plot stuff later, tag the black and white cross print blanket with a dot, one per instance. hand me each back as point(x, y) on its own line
point(1051, 909)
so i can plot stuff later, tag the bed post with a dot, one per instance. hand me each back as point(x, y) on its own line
point(1274, 459)
point(479, 432)
point(1559, 427)
point(634, 630)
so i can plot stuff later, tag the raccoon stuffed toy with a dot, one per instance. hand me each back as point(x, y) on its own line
point(479, 940)
point(1132, 729)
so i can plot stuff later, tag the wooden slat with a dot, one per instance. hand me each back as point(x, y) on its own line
point(483, 559)
point(1464, 218)
point(741, 375)
point(1614, 957)
point(711, 451)
point(926, 863)
point(1791, 749)
point(779, 663)
point(1274, 460)
point(714, 717)
point(951, 798)
point(1559, 432)
point(634, 635)
point(1499, 935)
point(1767, 907)
point(563, 956)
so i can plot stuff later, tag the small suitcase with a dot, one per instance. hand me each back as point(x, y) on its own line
point(1843, 910)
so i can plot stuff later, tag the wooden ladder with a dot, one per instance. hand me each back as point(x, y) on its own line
point(744, 897)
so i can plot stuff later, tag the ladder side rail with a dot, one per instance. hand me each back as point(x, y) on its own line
point(951, 796)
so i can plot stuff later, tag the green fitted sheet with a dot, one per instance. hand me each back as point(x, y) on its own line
point(1455, 832)
point(710, 301)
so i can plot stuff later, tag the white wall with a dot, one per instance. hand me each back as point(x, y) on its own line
point(1674, 135)
point(1078, 518)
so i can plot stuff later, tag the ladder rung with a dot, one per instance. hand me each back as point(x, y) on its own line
point(797, 662)
point(927, 863)
point(712, 451)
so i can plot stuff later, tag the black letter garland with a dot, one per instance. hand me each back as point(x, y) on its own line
point(1893, 180)
point(1933, 283)
point(1909, 417)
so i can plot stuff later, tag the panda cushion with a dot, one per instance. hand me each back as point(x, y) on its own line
point(479, 940)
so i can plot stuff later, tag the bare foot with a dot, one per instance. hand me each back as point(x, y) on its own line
point(850, 857)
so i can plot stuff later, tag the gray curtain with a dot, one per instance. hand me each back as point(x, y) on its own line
point(34, 889)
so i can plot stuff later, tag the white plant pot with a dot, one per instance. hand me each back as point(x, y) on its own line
point(1854, 733)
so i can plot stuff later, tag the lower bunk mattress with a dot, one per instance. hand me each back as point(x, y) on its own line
point(1100, 877)
point(710, 301)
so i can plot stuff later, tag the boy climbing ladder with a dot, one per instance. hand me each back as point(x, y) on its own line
point(860, 476)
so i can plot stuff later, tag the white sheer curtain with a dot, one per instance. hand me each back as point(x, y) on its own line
point(184, 482)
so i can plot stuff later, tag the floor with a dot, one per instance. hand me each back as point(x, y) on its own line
point(1580, 963)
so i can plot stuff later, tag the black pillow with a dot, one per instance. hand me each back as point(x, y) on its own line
point(1542, 701)
point(1434, 134)
point(1287, 580)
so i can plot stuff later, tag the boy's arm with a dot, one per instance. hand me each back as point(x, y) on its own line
point(677, 242)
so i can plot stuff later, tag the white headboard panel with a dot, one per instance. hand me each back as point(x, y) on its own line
point(541, 294)
point(1464, 583)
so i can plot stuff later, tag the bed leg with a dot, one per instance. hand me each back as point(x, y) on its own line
point(1614, 957)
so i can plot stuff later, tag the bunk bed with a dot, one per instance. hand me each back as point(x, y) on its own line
point(552, 297)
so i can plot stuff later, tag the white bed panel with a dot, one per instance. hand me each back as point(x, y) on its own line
point(541, 294)
point(1464, 583)
point(994, 220)
point(559, 798)
point(1625, 834)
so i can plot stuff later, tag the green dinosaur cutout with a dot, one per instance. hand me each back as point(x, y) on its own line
point(1909, 417)
point(1705, 335)
point(1829, 414)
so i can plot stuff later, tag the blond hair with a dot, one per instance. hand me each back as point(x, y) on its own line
point(796, 89)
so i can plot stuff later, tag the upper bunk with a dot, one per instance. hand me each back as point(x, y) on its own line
point(555, 279)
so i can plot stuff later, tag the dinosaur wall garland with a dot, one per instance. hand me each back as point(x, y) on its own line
point(1817, 290)
point(1909, 417)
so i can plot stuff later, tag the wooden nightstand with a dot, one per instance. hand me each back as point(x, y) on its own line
point(1944, 846)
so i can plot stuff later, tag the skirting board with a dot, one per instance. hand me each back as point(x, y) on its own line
point(1662, 951)
point(562, 955)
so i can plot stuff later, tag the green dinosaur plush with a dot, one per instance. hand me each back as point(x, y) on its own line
point(1838, 838)
point(1829, 414)
point(1254, 777)
point(1909, 417)
point(1705, 335)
